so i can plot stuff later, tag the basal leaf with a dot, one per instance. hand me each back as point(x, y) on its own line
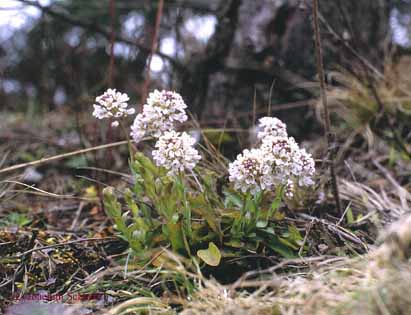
point(211, 256)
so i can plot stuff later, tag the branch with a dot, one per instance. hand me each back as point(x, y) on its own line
point(154, 43)
point(61, 156)
point(99, 30)
point(329, 137)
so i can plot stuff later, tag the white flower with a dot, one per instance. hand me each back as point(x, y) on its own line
point(175, 151)
point(112, 104)
point(251, 171)
point(281, 151)
point(305, 177)
point(289, 189)
point(161, 113)
point(289, 161)
point(282, 148)
point(272, 127)
point(278, 161)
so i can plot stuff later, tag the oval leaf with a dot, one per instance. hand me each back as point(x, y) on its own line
point(211, 256)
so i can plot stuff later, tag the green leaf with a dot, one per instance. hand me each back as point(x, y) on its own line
point(145, 163)
point(283, 250)
point(393, 157)
point(294, 234)
point(128, 196)
point(176, 236)
point(262, 224)
point(288, 243)
point(111, 204)
point(175, 218)
point(201, 206)
point(113, 209)
point(350, 216)
point(272, 212)
point(279, 245)
point(277, 201)
point(15, 218)
point(278, 216)
point(76, 162)
point(234, 243)
point(233, 200)
point(211, 256)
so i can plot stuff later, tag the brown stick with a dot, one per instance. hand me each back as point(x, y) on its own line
point(110, 79)
point(153, 49)
point(328, 135)
point(112, 41)
point(65, 244)
point(61, 156)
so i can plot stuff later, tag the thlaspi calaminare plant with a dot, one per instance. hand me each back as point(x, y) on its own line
point(161, 203)
point(174, 152)
point(278, 164)
point(171, 205)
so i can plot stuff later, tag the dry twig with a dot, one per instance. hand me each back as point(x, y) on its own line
point(329, 136)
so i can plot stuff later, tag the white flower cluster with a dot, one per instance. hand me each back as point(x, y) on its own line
point(112, 104)
point(278, 161)
point(161, 113)
point(271, 126)
point(175, 151)
point(250, 171)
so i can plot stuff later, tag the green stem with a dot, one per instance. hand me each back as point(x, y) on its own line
point(244, 211)
point(130, 147)
point(187, 209)
point(258, 197)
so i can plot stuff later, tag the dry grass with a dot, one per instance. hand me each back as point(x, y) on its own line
point(366, 104)
point(377, 284)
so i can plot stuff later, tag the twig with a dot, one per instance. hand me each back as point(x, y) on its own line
point(61, 156)
point(344, 213)
point(339, 230)
point(110, 77)
point(197, 182)
point(329, 137)
point(269, 98)
point(64, 244)
point(153, 49)
point(360, 58)
point(43, 192)
point(112, 41)
point(308, 230)
point(104, 170)
point(77, 217)
point(254, 108)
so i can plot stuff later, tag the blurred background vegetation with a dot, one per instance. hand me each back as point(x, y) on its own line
point(223, 56)
point(231, 60)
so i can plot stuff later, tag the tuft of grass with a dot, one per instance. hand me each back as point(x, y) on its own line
point(374, 107)
point(376, 284)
